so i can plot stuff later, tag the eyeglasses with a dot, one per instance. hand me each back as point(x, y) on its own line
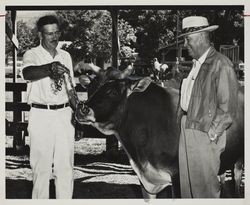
point(50, 34)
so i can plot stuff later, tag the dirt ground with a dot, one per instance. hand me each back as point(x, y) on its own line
point(94, 178)
point(97, 174)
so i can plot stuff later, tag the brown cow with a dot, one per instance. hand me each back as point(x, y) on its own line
point(143, 117)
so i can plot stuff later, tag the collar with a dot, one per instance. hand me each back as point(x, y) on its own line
point(202, 59)
point(210, 55)
point(47, 52)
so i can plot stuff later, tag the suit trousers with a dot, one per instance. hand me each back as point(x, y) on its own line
point(51, 148)
point(199, 163)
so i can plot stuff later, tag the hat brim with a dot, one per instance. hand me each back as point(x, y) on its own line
point(209, 29)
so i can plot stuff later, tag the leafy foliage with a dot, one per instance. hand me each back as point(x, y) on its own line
point(26, 36)
point(159, 28)
point(8, 43)
point(145, 30)
point(8, 49)
point(91, 31)
point(155, 28)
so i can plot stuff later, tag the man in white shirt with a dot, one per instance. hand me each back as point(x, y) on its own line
point(209, 101)
point(50, 128)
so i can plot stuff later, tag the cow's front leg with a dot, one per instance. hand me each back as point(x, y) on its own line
point(147, 196)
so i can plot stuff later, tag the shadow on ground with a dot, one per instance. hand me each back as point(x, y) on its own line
point(22, 189)
point(102, 165)
point(89, 167)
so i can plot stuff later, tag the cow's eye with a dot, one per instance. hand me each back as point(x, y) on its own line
point(112, 92)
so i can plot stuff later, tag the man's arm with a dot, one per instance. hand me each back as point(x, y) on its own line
point(227, 90)
point(33, 73)
point(37, 72)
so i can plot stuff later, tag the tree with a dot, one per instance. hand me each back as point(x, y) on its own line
point(147, 30)
point(158, 28)
point(231, 27)
point(8, 49)
point(27, 37)
point(155, 29)
point(91, 33)
point(8, 43)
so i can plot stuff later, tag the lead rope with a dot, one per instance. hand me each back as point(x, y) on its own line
point(56, 86)
point(81, 109)
point(75, 96)
point(57, 81)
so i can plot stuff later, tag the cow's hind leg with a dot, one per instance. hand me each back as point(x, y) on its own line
point(238, 172)
point(222, 180)
point(175, 188)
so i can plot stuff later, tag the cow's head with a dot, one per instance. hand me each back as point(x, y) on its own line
point(106, 100)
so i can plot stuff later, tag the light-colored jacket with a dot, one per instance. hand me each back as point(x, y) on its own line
point(213, 101)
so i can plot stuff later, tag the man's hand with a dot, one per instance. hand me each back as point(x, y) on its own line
point(84, 80)
point(213, 136)
point(58, 69)
point(84, 68)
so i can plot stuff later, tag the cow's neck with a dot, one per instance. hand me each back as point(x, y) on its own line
point(105, 128)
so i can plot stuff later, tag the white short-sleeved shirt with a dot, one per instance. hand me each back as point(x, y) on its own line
point(40, 91)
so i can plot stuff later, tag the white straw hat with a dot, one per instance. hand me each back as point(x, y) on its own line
point(196, 24)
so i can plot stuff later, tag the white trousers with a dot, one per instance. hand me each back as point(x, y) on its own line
point(51, 143)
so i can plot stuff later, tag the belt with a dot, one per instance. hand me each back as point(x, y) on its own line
point(49, 107)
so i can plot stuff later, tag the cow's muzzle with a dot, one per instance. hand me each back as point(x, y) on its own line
point(84, 114)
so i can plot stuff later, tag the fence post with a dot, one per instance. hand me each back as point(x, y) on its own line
point(111, 144)
point(18, 142)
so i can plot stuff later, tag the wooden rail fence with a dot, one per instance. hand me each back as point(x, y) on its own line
point(18, 127)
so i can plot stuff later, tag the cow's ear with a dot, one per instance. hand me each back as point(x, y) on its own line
point(139, 85)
